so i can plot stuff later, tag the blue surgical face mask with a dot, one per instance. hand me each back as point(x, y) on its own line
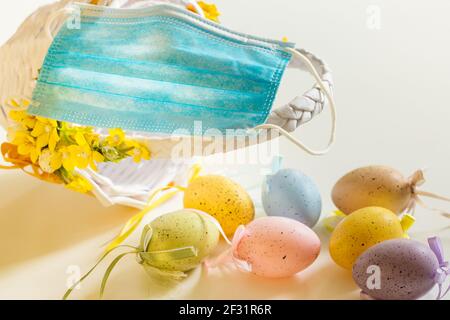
point(158, 70)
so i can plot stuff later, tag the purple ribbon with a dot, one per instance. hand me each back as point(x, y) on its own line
point(444, 270)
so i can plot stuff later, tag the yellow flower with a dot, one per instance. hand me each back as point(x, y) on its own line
point(91, 138)
point(26, 145)
point(139, 152)
point(10, 154)
point(22, 117)
point(76, 156)
point(46, 133)
point(209, 9)
point(85, 136)
point(79, 184)
point(116, 137)
point(50, 161)
point(80, 138)
point(23, 103)
point(110, 153)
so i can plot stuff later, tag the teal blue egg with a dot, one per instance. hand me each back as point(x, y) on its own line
point(290, 193)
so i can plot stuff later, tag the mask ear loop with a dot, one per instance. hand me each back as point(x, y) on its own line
point(330, 99)
point(68, 9)
point(196, 6)
point(116, 3)
point(228, 255)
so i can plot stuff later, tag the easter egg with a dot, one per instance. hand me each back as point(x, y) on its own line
point(291, 194)
point(277, 247)
point(378, 186)
point(223, 199)
point(181, 229)
point(361, 230)
point(397, 269)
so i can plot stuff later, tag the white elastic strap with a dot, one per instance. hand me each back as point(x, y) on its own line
point(97, 191)
point(117, 3)
point(197, 7)
point(213, 221)
point(330, 99)
point(68, 9)
point(204, 215)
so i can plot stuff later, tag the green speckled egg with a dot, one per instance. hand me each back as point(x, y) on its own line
point(222, 198)
point(180, 229)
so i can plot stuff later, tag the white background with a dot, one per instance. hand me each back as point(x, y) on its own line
point(392, 91)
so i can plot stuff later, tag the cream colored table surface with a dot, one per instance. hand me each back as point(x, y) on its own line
point(392, 91)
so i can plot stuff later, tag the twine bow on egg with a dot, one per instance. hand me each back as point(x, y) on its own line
point(417, 179)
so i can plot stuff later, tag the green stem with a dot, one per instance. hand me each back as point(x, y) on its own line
point(110, 269)
point(69, 291)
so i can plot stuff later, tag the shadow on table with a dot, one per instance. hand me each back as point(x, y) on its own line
point(129, 281)
point(325, 282)
point(38, 218)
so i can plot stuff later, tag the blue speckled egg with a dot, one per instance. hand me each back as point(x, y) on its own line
point(291, 194)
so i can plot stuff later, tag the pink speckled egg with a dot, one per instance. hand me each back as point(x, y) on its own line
point(276, 247)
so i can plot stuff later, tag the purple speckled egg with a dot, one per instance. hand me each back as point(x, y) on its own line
point(398, 269)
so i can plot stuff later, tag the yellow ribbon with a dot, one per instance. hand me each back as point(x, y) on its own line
point(333, 220)
point(337, 216)
point(407, 222)
point(135, 220)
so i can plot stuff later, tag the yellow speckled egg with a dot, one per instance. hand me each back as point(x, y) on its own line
point(361, 230)
point(223, 199)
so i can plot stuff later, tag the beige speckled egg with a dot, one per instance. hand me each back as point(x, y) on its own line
point(379, 186)
point(223, 199)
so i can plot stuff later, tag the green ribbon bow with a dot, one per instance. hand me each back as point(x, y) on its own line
point(145, 258)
